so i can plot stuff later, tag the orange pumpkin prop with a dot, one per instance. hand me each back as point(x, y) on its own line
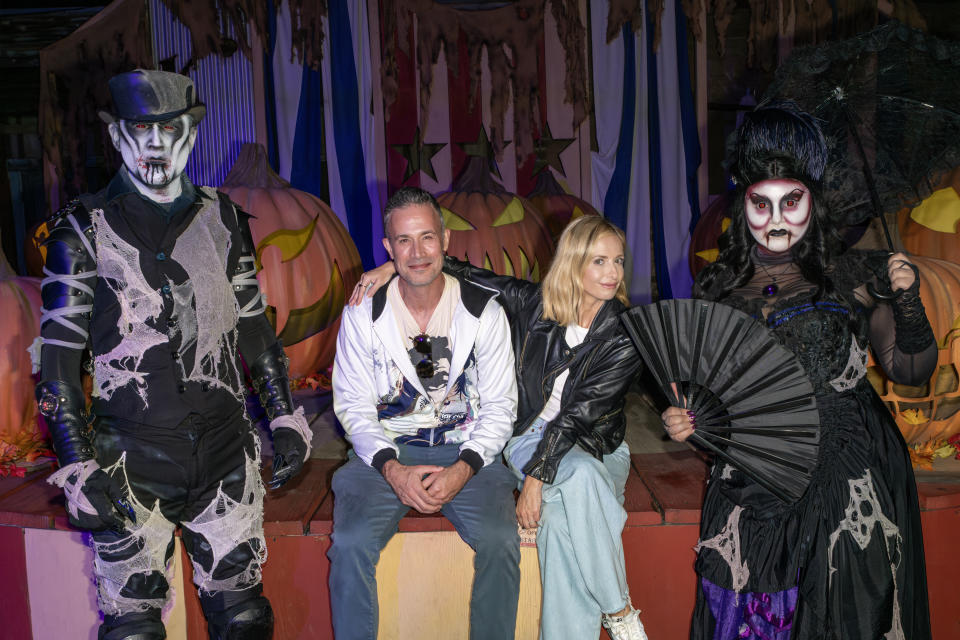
point(305, 258)
point(21, 437)
point(493, 228)
point(34, 253)
point(933, 228)
point(932, 412)
point(557, 206)
point(704, 241)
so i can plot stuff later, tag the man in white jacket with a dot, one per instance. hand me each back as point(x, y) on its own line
point(423, 385)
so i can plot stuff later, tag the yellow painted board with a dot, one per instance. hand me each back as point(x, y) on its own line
point(421, 597)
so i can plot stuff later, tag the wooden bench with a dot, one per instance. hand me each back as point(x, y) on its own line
point(424, 573)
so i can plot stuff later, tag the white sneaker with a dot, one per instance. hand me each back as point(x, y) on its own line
point(626, 627)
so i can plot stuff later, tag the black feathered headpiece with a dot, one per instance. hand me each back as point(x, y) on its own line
point(778, 140)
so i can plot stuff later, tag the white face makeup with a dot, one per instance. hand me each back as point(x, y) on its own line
point(778, 212)
point(155, 153)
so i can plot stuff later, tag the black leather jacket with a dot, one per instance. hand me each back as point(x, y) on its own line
point(601, 368)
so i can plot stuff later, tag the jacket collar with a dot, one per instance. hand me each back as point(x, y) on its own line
point(121, 184)
point(463, 332)
point(607, 319)
point(474, 298)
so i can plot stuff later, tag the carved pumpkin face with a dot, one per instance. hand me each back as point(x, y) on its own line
point(933, 228)
point(930, 413)
point(498, 231)
point(558, 207)
point(561, 210)
point(306, 261)
point(704, 241)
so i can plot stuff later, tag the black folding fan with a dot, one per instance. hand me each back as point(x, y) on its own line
point(754, 406)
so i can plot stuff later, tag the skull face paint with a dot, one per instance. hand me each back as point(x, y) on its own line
point(778, 212)
point(155, 153)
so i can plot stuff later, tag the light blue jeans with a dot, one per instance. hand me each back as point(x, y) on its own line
point(579, 541)
point(366, 512)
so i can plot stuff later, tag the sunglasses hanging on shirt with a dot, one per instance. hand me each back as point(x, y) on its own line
point(423, 345)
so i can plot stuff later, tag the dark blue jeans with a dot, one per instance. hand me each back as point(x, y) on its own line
point(366, 513)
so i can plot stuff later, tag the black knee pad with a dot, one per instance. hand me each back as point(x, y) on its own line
point(238, 615)
point(145, 625)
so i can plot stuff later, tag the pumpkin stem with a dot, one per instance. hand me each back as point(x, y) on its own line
point(547, 185)
point(476, 177)
point(253, 170)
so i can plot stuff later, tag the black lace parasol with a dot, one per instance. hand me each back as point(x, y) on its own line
point(889, 105)
point(754, 406)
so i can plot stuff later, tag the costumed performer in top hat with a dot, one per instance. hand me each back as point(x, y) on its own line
point(150, 285)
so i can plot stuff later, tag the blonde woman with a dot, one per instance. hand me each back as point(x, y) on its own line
point(573, 366)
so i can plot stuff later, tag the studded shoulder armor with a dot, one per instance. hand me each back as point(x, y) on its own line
point(72, 225)
point(244, 274)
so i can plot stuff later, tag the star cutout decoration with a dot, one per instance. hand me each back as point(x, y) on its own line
point(482, 148)
point(548, 150)
point(419, 155)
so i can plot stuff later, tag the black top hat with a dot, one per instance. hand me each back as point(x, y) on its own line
point(152, 96)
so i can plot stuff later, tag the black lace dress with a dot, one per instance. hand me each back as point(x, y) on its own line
point(846, 561)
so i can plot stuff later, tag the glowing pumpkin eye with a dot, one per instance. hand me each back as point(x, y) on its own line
point(512, 213)
point(454, 222)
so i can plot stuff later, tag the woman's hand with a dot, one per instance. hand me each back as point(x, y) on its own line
point(679, 423)
point(901, 271)
point(371, 281)
point(528, 505)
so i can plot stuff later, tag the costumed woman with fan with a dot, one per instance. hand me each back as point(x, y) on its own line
point(574, 364)
point(844, 560)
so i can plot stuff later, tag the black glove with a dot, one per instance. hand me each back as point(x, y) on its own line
point(270, 380)
point(95, 499)
point(63, 408)
point(291, 433)
point(913, 333)
point(289, 454)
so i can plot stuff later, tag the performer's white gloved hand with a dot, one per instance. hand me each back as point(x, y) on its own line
point(291, 446)
point(95, 500)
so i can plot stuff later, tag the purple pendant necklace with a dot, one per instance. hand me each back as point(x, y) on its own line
point(771, 289)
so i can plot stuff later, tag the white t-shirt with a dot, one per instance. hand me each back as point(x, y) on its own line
point(438, 328)
point(573, 336)
point(522, 447)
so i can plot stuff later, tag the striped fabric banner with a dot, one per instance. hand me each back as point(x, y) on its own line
point(326, 114)
point(225, 85)
point(620, 168)
point(351, 147)
point(644, 171)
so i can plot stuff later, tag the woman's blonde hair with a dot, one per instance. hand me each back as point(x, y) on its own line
point(562, 287)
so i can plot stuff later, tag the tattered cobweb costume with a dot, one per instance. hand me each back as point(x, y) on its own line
point(846, 560)
point(162, 301)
